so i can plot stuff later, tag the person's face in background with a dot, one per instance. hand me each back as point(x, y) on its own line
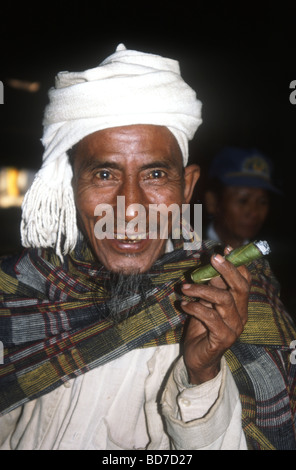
point(239, 213)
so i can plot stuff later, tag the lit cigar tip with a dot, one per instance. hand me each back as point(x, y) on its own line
point(263, 246)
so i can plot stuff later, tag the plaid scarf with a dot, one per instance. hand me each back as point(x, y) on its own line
point(54, 326)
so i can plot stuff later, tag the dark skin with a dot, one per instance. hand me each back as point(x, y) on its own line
point(239, 213)
point(144, 164)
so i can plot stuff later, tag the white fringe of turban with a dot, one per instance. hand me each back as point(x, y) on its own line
point(129, 87)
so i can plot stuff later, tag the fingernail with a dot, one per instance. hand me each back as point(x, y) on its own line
point(219, 258)
point(186, 286)
point(184, 302)
point(229, 248)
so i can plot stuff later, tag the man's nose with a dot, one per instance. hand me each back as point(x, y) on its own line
point(134, 197)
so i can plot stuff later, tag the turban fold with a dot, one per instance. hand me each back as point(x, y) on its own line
point(129, 87)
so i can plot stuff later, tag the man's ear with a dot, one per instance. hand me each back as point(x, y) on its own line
point(191, 176)
point(211, 202)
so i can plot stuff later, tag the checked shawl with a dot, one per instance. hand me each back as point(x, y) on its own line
point(54, 326)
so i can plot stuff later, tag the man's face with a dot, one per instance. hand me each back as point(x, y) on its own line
point(143, 163)
point(242, 212)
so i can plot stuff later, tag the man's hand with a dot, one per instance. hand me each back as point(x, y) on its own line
point(219, 313)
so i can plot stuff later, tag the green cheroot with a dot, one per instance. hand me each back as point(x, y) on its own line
point(241, 255)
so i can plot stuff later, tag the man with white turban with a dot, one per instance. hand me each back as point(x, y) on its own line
point(106, 344)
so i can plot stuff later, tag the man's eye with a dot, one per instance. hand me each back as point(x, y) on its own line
point(103, 175)
point(156, 174)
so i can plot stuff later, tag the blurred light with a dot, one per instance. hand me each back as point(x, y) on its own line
point(31, 87)
point(13, 186)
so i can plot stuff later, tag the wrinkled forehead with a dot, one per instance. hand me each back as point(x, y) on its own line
point(140, 139)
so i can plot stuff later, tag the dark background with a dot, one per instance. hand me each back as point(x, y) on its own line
point(240, 60)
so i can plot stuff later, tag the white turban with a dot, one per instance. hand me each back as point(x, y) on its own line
point(129, 87)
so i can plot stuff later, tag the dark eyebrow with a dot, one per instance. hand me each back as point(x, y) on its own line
point(91, 163)
point(161, 164)
point(156, 164)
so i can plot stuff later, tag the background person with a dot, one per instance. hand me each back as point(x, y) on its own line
point(237, 195)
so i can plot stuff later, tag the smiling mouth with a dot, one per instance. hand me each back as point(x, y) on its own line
point(132, 238)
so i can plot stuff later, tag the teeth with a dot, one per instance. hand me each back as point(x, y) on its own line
point(134, 237)
point(120, 236)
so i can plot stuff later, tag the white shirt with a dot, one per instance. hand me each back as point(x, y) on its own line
point(123, 405)
point(212, 235)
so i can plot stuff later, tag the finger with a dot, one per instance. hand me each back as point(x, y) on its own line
point(212, 294)
point(218, 281)
point(220, 331)
point(228, 249)
point(221, 283)
point(242, 269)
point(238, 280)
point(234, 277)
point(245, 273)
point(213, 320)
point(231, 305)
point(193, 290)
point(208, 293)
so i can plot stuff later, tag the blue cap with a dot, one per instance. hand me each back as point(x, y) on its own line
point(240, 167)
